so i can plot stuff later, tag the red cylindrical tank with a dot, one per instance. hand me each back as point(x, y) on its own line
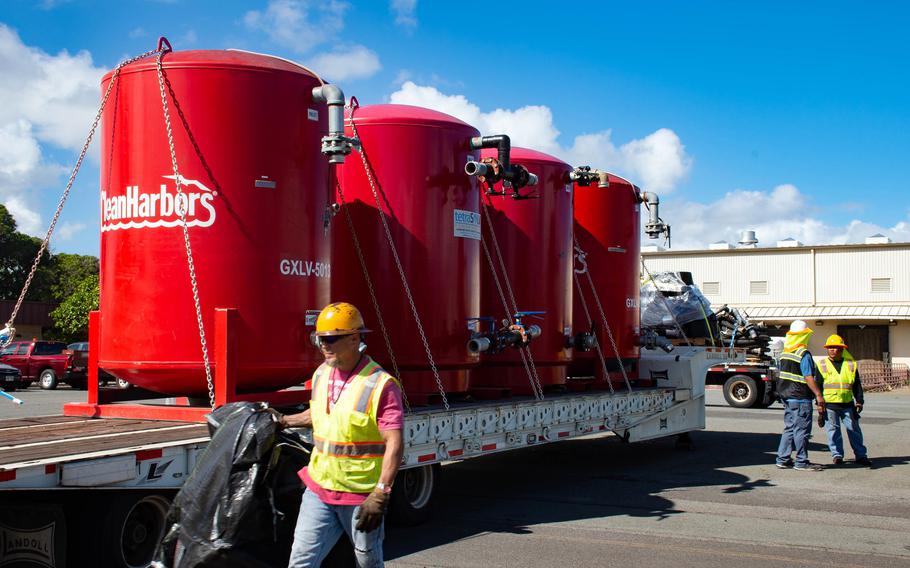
point(535, 237)
point(417, 158)
point(257, 189)
point(607, 228)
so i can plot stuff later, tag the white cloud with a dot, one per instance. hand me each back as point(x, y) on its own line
point(27, 219)
point(66, 230)
point(404, 12)
point(137, 33)
point(299, 25)
point(51, 100)
point(657, 162)
point(357, 62)
point(774, 215)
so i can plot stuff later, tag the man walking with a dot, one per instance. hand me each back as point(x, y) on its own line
point(797, 389)
point(843, 393)
point(357, 418)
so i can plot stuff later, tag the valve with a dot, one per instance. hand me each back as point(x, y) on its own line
point(336, 145)
point(581, 342)
point(585, 176)
point(511, 334)
point(491, 170)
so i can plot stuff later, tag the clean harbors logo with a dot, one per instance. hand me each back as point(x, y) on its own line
point(136, 209)
point(33, 547)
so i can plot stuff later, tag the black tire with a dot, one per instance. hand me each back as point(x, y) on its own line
point(47, 380)
point(413, 495)
point(9, 388)
point(134, 526)
point(740, 391)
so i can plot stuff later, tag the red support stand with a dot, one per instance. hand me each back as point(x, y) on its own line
point(112, 403)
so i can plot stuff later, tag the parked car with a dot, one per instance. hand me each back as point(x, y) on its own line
point(10, 377)
point(43, 361)
point(79, 351)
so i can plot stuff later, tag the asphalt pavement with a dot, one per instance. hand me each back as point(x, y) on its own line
point(600, 502)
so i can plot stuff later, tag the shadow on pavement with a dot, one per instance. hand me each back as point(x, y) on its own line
point(579, 480)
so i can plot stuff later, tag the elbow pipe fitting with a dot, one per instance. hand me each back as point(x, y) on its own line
point(655, 227)
point(501, 142)
point(336, 145)
point(585, 176)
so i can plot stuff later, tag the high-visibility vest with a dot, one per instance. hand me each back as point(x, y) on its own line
point(347, 445)
point(789, 366)
point(838, 386)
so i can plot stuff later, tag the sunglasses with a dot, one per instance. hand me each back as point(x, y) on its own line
point(331, 339)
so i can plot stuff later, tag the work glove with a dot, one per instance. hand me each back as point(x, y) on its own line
point(369, 516)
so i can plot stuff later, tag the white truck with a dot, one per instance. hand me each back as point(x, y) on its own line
point(95, 491)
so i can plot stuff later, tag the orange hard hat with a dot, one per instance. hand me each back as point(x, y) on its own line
point(339, 318)
point(835, 341)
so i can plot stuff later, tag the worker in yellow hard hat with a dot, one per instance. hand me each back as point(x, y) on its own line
point(797, 388)
point(843, 392)
point(357, 418)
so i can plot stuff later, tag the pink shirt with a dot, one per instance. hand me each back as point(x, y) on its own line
point(390, 416)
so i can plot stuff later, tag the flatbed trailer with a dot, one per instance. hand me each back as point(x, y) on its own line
point(122, 473)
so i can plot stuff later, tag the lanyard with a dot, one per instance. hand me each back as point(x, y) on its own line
point(330, 385)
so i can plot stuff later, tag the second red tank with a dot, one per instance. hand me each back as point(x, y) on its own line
point(416, 157)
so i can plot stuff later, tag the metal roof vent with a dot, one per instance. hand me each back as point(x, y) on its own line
point(720, 245)
point(789, 242)
point(877, 239)
point(747, 239)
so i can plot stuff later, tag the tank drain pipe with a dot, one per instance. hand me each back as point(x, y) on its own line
point(336, 145)
point(491, 171)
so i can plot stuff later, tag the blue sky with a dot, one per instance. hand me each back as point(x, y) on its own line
point(790, 119)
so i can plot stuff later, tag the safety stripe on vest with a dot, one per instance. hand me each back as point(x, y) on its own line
point(367, 393)
point(350, 449)
point(791, 377)
point(842, 386)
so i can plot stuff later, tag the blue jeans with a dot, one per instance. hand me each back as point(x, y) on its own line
point(320, 525)
point(836, 439)
point(797, 428)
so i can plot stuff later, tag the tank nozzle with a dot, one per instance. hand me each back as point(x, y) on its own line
point(476, 169)
point(478, 344)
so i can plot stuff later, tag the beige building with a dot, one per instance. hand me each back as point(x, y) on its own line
point(859, 291)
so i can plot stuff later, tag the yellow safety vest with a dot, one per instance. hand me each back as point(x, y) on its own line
point(789, 366)
point(838, 386)
point(347, 445)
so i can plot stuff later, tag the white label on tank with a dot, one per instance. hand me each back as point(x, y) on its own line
point(312, 114)
point(467, 224)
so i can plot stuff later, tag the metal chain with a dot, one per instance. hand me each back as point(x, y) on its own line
point(404, 281)
point(524, 350)
point(66, 192)
point(186, 232)
point(508, 312)
point(369, 281)
point(666, 303)
point(603, 318)
point(600, 353)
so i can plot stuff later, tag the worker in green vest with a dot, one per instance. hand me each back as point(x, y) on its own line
point(843, 393)
point(357, 418)
point(797, 390)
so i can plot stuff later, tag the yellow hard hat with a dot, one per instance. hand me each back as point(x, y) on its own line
point(339, 318)
point(835, 341)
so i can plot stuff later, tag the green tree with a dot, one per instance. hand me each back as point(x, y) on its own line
point(71, 316)
point(68, 271)
point(17, 253)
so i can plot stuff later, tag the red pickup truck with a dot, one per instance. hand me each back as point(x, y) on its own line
point(45, 362)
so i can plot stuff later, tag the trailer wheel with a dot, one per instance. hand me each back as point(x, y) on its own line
point(47, 380)
point(740, 391)
point(413, 496)
point(134, 527)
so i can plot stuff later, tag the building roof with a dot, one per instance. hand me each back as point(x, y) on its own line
point(31, 313)
point(826, 312)
point(768, 249)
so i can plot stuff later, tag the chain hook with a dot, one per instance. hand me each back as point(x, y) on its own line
point(162, 41)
